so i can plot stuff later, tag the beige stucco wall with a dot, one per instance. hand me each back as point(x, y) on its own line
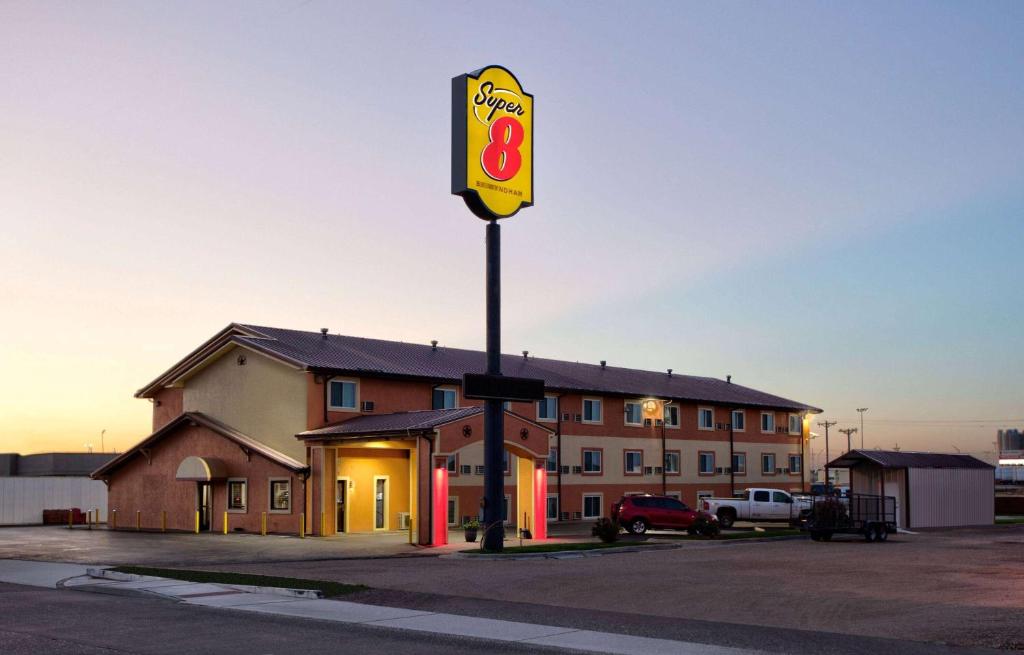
point(264, 399)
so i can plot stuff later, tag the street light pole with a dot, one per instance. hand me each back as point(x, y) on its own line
point(826, 425)
point(861, 410)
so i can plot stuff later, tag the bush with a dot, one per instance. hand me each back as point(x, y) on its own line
point(704, 526)
point(471, 524)
point(605, 529)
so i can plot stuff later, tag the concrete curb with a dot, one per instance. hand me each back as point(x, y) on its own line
point(573, 554)
point(104, 574)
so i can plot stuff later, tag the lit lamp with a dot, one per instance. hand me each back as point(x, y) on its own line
point(650, 406)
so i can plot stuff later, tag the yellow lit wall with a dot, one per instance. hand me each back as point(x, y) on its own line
point(359, 466)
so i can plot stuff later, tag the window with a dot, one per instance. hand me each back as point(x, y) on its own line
point(767, 422)
point(453, 464)
point(506, 464)
point(768, 463)
point(591, 506)
point(672, 462)
point(237, 495)
point(591, 410)
point(552, 463)
point(634, 414)
point(706, 463)
point(504, 508)
point(794, 424)
point(671, 416)
point(762, 496)
point(552, 507)
point(739, 463)
point(453, 510)
point(342, 395)
point(633, 462)
point(706, 418)
point(445, 398)
point(280, 495)
point(547, 409)
point(782, 497)
point(592, 462)
point(739, 420)
point(796, 464)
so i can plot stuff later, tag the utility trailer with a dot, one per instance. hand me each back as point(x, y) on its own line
point(873, 517)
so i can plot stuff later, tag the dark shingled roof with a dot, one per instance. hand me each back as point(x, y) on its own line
point(357, 355)
point(892, 459)
point(402, 422)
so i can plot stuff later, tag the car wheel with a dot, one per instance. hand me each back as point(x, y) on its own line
point(691, 531)
point(638, 526)
point(726, 519)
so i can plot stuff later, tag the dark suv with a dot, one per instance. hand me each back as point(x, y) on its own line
point(638, 514)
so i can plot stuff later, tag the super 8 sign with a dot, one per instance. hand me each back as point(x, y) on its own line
point(492, 142)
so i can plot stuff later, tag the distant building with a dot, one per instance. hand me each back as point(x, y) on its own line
point(44, 465)
point(32, 484)
point(1011, 444)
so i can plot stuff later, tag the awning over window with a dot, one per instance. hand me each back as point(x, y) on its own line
point(200, 469)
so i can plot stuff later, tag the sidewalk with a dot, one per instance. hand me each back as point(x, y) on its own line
point(281, 602)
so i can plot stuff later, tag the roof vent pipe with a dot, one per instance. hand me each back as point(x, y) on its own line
point(323, 331)
point(728, 379)
point(433, 345)
point(526, 354)
point(603, 363)
point(670, 372)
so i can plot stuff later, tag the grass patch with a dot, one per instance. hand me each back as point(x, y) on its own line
point(1010, 520)
point(556, 548)
point(328, 588)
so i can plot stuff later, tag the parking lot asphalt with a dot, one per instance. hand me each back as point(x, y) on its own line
point(960, 587)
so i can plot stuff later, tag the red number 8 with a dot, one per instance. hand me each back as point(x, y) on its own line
point(500, 158)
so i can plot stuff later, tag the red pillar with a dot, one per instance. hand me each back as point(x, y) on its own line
point(540, 500)
point(440, 474)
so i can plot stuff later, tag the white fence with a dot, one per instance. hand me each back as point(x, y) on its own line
point(23, 499)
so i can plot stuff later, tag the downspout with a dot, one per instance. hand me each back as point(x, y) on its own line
point(803, 484)
point(430, 489)
point(327, 391)
point(664, 454)
point(558, 446)
point(732, 456)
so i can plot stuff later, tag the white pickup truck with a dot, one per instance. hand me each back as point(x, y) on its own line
point(757, 505)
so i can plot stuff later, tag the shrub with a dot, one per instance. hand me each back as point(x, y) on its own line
point(605, 529)
point(471, 524)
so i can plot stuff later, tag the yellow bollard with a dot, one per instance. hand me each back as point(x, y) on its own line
point(197, 521)
point(138, 520)
point(71, 519)
point(163, 521)
point(113, 517)
point(225, 522)
point(410, 531)
point(263, 524)
point(302, 525)
point(88, 518)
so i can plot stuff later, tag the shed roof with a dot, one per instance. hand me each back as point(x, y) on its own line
point(338, 354)
point(900, 459)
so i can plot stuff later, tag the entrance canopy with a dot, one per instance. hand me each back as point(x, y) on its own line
point(200, 469)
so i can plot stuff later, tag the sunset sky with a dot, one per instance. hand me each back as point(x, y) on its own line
point(825, 201)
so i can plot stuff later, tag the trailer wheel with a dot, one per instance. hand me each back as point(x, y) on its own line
point(869, 532)
point(726, 518)
point(815, 535)
point(826, 535)
point(881, 534)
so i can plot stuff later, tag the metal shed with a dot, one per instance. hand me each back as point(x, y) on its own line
point(932, 490)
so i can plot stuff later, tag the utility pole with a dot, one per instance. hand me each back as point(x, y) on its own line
point(848, 432)
point(826, 424)
point(861, 410)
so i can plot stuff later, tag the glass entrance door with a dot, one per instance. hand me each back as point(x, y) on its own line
point(204, 499)
point(342, 498)
point(380, 502)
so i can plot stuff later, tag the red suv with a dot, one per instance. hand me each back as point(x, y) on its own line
point(638, 514)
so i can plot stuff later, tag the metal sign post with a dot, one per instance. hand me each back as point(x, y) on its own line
point(492, 169)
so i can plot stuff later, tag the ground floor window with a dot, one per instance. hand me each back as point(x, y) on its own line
point(633, 462)
point(591, 506)
point(739, 463)
point(552, 463)
point(281, 495)
point(706, 463)
point(672, 462)
point(237, 493)
point(701, 495)
point(504, 508)
point(552, 508)
point(453, 510)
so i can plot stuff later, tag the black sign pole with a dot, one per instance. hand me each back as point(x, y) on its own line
point(494, 424)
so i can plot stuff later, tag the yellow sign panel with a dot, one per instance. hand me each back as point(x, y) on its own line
point(492, 142)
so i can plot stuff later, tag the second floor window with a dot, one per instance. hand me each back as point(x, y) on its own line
point(342, 394)
point(794, 424)
point(445, 398)
point(453, 464)
point(706, 463)
point(672, 416)
point(706, 418)
point(591, 410)
point(634, 414)
point(634, 461)
point(591, 461)
point(552, 464)
point(767, 422)
point(547, 409)
point(739, 420)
